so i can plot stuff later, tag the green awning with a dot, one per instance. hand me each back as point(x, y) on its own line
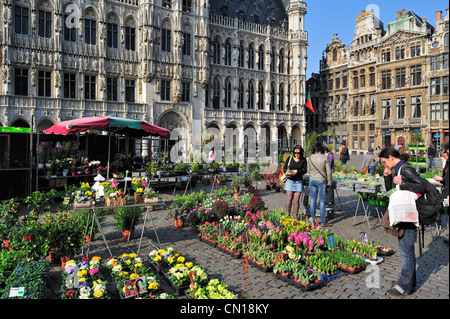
point(120, 122)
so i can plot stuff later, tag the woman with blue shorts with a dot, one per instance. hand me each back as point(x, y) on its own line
point(293, 186)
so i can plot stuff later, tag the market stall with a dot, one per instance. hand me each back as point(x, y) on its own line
point(112, 125)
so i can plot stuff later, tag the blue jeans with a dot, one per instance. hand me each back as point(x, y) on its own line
point(314, 188)
point(407, 278)
point(371, 170)
point(430, 162)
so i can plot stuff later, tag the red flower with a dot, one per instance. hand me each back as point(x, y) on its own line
point(70, 293)
point(27, 238)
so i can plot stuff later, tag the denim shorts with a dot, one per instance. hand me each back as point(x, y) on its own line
point(293, 186)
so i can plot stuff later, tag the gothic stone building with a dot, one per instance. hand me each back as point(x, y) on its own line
point(187, 64)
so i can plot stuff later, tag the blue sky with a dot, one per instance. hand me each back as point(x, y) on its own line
point(327, 17)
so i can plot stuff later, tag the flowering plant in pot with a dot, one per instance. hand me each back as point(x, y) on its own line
point(9, 217)
point(138, 185)
point(84, 280)
point(113, 195)
point(32, 238)
point(164, 258)
point(66, 233)
point(151, 196)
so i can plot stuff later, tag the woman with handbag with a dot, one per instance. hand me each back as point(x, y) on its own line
point(319, 178)
point(370, 162)
point(407, 180)
point(294, 168)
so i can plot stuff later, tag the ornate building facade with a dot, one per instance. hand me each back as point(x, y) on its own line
point(396, 82)
point(186, 64)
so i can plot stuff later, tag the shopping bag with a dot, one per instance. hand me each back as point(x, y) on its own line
point(402, 207)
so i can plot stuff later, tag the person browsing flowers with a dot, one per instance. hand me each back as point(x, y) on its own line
point(296, 167)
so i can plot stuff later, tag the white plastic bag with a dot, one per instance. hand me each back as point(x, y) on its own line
point(402, 207)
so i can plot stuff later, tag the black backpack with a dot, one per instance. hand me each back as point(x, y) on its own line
point(430, 205)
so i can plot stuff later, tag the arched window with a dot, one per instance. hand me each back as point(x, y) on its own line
point(240, 103)
point(281, 61)
point(130, 34)
point(261, 57)
point(21, 17)
point(216, 51)
point(45, 20)
point(281, 98)
point(251, 95)
point(251, 56)
point(90, 27)
point(241, 55)
point(166, 36)
point(227, 100)
point(335, 55)
point(112, 31)
point(216, 93)
point(272, 97)
point(273, 58)
point(227, 52)
point(261, 96)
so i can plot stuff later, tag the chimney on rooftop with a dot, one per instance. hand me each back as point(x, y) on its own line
point(438, 16)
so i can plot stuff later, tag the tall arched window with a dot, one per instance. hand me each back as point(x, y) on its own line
point(261, 57)
point(227, 52)
point(251, 95)
point(227, 99)
point(216, 93)
point(90, 27)
point(272, 97)
point(281, 61)
point(261, 95)
point(112, 31)
point(216, 51)
point(273, 58)
point(166, 36)
point(241, 55)
point(130, 34)
point(251, 56)
point(240, 103)
point(281, 98)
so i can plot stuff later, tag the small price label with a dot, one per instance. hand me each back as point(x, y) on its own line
point(17, 292)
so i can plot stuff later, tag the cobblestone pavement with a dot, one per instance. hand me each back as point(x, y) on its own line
point(432, 266)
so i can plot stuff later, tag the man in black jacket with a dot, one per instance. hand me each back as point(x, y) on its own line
point(345, 155)
point(410, 181)
point(431, 155)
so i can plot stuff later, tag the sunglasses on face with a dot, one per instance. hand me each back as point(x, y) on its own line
point(296, 152)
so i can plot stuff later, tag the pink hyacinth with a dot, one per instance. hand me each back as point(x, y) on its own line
point(144, 184)
point(93, 271)
point(258, 214)
point(248, 214)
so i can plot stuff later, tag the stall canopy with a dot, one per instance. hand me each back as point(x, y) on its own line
point(134, 128)
point(115, 125)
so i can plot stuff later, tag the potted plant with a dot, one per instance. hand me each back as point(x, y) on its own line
point(221, 180)
point(9, 218)
point(236, 182)
point(39, 202)
point(150, 196)
point(66, 234)
point(113, 195)
point(84, 196)
point(126, 219)
point(138, 185)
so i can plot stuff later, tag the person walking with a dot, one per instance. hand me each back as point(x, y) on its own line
point(293, 186)
point(330, 191)
point(344, 153)
point(370, 162)
point(410, 181)
point(431, 152)
point(319, 178)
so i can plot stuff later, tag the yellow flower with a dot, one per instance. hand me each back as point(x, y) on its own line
point(170, 260)
point(137, 265)
point(134, 276)
point(82, 273)
point(139, 190)
point(132, 255)
point(98, 294)
point(189, 264)
point(153, 285)
point(179, 265)
point(180, 259)
point(158, 257)
point(96, 258)
point(82, 279)
point(128, 261)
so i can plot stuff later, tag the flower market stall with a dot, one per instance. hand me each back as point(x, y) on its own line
point(112, 125)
